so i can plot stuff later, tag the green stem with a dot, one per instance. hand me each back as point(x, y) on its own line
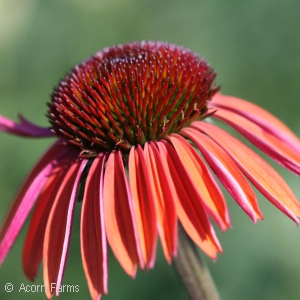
point(192, 270)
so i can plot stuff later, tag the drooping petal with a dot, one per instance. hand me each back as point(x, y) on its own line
point(58, 230)
point(260, 173)
point(143, 203)
point(120, 222)
point(24, 128)
point(227, 172)
point(202, 181)
point(259, 116)
point(92, 230)
point(267, 142)
point(33, 245)
point(189, 208)
point(164, 203)
point(27, 197)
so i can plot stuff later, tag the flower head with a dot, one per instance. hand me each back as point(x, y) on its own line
point(129, 95)
point(131, 123)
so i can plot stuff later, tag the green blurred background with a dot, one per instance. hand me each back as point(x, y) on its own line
point(255, 48)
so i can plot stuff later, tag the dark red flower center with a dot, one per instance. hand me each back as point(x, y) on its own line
point(129, 94)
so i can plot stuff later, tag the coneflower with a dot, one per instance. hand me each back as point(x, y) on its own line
point(135, 125)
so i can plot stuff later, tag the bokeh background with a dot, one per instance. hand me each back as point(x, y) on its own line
point(255, 48)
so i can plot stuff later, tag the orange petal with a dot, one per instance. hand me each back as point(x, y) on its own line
point(163, 200)
point(143, 203)
point(92, 232)
point(258, 116)
point(227, 172)
point(58, 230)
point(203, 183)
point(268, 143)
point(120, 217)
point(189, 208)
point(33, 245)
point(261, 174)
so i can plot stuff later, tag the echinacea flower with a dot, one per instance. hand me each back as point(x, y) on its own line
point(135, 125)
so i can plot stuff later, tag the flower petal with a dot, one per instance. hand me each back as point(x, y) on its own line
point(24, 128)
point(259, 116)
point(163, 200)
point(189, 208)
point(120, 222)
point(27, 197)
point(58, 230)
point(203, 183)
point(268, 143)
point(92, 234)
point(33, 245)
point(227, 172)
point(143, 203)
point(261, 174)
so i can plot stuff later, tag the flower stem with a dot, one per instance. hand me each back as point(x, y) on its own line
point(192, 270)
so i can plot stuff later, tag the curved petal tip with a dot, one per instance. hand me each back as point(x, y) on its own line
point(24, 128)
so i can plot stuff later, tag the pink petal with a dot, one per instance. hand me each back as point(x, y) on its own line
point(268, 143)
point(203, 184)
point(92, 235)
point(120, 217)
point(259, 116)
point(24, 128)
point(143, 203)
point(227, 172)
point(261, 174)
point(33, 245)
point(163, 200)
point(189, 208)
point(27, 197)
point(58, 230)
